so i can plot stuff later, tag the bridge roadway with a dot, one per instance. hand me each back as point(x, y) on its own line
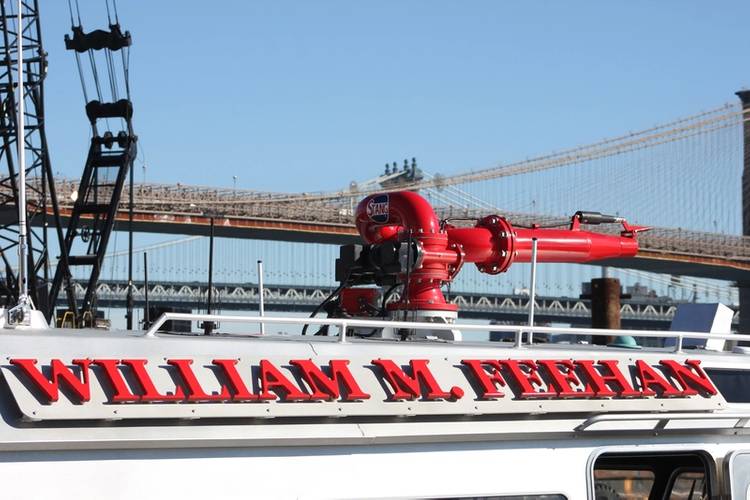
point(179, 209)
point(636, 313)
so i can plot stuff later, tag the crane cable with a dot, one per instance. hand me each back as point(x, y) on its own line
point(92, 63)
point(110, 62)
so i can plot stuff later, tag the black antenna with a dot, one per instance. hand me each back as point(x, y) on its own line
point(146, 318)
point(208, 326)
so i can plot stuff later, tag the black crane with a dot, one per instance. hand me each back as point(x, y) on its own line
point(112, 152)
point(42, 207)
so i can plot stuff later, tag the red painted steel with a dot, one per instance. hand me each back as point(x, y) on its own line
point(360, 301)
point(493, 244)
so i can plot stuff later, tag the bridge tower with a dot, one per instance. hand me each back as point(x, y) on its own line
point(744, 287)
point(41, 207)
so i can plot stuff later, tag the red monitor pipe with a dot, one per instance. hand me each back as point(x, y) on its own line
point(493, 244)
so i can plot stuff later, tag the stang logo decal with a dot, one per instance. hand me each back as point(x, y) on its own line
point(137, 381)
point(377, 208)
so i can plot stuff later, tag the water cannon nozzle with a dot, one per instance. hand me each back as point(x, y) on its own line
point(595, 218)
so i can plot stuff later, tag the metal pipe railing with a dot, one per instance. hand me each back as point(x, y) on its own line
point(663, 419)
point(345, 323)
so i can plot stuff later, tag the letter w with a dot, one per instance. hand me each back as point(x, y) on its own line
point(60, 373)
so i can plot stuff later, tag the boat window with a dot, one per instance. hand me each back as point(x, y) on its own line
point(630, 483)
point(644, 476)
point(734, 385)
point(688, 485)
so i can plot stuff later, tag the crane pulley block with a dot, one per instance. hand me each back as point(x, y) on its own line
point(118, 109)
point(114, 39)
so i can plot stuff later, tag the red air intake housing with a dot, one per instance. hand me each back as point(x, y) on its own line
point(493, 244)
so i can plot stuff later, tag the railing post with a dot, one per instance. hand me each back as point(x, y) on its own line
point(532, 294)
point(261, 303)
point(146, 313)
point(342, 332)
point(208, 326)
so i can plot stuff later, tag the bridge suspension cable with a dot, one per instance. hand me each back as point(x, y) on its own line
point(727, 115)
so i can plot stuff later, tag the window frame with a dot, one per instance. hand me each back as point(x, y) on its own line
point(632, 451)
point(503, 496)
point(499, 496)
point(729, 460)
point(675, 474)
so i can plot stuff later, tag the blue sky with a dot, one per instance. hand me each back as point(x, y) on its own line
point(298, 96)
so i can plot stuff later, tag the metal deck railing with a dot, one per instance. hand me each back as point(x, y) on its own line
point(519, 332)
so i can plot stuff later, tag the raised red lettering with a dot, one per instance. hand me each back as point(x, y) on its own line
point(524, 373)
point(690, 377)
point(326, 388)
point(60, 373)
point(406, 387)
point(150, 393)
point(603, 383)
point(195, 391)
point(488, 379)
point(122, 391)
point(272, 379)
point(239, 389)
point(563, 378)
point(650, 378)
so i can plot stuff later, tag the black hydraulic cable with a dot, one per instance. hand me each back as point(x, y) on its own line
point(117, 17)
point(326, 301)
point(408, 273)
point(382, 313)
point(386, 296)
point(523, 226)
point(451, 219)
point(542, 226)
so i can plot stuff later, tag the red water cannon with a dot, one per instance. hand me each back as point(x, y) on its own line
point(406, 243)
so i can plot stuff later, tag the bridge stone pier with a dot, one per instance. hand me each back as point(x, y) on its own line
point(744, 285)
